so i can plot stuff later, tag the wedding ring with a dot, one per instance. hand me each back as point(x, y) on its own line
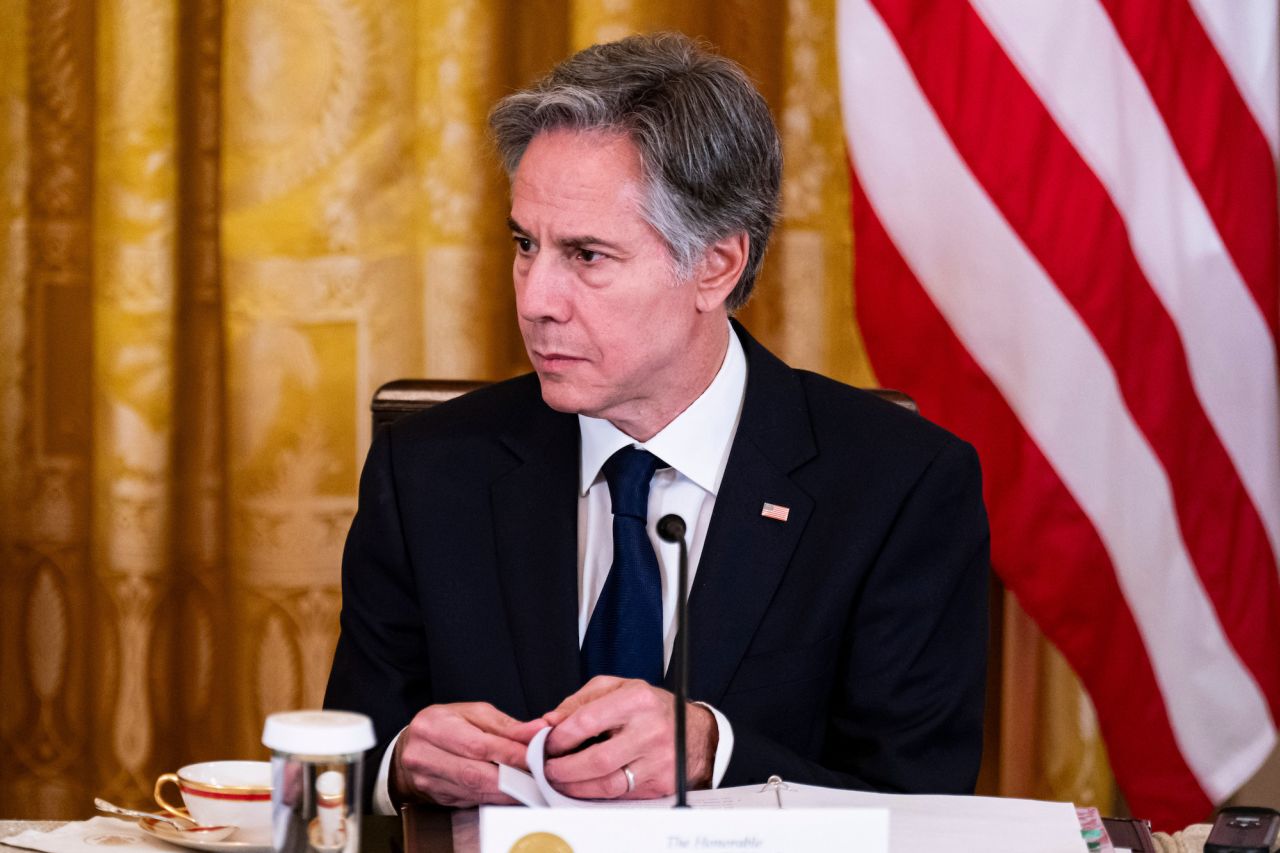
point(631, 778)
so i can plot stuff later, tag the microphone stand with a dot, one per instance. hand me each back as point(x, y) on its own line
point(672, 528)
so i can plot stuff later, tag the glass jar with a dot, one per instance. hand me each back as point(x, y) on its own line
point(317, 765)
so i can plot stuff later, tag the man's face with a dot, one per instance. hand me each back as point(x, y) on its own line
point(607, 325)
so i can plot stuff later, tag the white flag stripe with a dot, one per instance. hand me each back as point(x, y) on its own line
point(1245, 35)
point(1071, 55)
point(1016, 324)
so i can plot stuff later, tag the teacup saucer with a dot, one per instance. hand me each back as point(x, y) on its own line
point(164, 831)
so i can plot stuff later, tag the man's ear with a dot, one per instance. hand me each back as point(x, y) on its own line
point(720, 269)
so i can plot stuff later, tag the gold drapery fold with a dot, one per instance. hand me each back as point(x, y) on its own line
point(224, 223)
point(50, 598)
point(199, 618)
point(132, 298)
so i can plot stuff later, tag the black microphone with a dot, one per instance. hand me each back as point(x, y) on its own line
point(671, 528)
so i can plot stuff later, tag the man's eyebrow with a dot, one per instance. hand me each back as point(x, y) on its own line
point(570, 242)
point(588, 240)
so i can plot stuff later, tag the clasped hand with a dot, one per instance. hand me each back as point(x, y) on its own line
point(449, 753)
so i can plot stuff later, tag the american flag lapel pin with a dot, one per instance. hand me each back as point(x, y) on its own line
point(775, 511)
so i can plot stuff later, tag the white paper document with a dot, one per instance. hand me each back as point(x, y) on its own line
point(918, 823)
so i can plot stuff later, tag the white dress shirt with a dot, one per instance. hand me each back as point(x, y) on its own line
point(696, 447)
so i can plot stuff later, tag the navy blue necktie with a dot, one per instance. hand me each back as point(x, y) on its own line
point(624, 637)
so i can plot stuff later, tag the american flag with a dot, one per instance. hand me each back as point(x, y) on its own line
point(1066, 237)
point(776, 512)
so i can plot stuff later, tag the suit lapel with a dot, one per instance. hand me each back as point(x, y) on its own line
point(746, 554)
point(535, 507)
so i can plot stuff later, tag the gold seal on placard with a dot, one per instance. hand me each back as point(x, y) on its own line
point(541, 842)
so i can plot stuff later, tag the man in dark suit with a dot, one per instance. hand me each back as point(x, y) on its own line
point(503, 573)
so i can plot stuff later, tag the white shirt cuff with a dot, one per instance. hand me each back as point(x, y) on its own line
point(382, 785)
point(724, 745)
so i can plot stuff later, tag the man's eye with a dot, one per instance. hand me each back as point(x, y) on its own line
point(523, 244)
point(588, 256)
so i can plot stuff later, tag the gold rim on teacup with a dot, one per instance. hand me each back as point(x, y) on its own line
point(248, 793)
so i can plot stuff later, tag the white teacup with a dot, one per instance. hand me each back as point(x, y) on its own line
point(219, 793)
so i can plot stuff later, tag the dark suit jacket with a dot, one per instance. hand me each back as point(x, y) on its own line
point(846, 646)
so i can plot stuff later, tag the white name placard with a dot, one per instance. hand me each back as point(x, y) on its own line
point(514, 829)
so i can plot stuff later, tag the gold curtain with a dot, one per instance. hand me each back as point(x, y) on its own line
point(225, 223)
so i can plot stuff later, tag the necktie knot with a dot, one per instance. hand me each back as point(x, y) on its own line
point(628, 473)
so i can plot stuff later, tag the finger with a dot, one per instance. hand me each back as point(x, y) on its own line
point(488, 718)
point(446, 792)
point(525, 731)
point(587, 719)
point(592, 690)
point(592, 763)
point(437, 774)
point(519, 757)
point(582, 735)
point(634, 704)
point(453, 733)
point(459, 798)
point(611, 787)
point(466, 741)
point(652, 780)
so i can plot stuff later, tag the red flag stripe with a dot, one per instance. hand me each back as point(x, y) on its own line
point(1223, 148)
point(1006, 137)
point(1035, 518)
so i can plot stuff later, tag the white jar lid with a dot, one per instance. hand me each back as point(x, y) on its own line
point(318, 732)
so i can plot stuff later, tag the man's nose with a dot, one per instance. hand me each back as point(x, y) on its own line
point(542, 290)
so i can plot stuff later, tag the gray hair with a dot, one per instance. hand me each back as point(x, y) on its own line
point(709, 150)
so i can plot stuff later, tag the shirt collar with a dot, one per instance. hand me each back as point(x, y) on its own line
point(696, 443)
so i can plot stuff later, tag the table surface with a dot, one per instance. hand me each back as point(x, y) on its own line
point(438, 831)
point(380, 833)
